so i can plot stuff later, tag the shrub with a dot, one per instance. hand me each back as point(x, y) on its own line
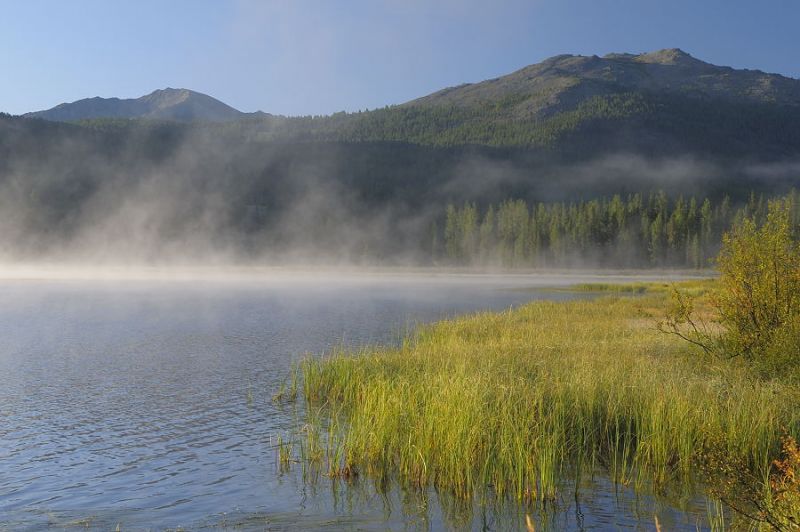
point(758, 302)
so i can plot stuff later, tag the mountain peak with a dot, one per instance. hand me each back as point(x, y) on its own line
point(169, 91)
point(162, 104)
point(169, 96)
point(667, 56)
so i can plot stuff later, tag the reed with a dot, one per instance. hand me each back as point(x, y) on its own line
point(520, 400)
point(285, 452)
point(288, 395)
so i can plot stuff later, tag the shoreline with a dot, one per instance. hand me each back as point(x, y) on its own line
point(84, 272)
point(520, 400)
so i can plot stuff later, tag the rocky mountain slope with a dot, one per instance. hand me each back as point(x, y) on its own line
point(560, 83)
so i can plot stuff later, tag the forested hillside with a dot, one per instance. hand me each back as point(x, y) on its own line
point(551, 140)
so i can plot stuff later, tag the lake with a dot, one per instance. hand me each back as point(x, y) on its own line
point(147, 403)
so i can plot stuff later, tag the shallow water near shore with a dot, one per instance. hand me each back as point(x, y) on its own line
point(147, 403)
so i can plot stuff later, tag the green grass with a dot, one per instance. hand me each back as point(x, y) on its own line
point(520, 400)
point(630, 288)
point(694, 287)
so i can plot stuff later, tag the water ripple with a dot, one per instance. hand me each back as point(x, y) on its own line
point(148, 404)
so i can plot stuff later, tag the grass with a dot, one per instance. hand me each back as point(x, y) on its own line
point(516, 401)
point(627, 288)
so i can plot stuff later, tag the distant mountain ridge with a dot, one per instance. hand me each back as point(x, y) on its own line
point(659, 103)
point(182, 105)
point(536, 92)
point(560, 83)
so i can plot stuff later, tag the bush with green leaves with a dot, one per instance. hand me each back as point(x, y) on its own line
point(759, 297)
point(757, 304)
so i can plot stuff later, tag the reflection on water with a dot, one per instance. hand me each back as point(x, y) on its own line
point(148, 404)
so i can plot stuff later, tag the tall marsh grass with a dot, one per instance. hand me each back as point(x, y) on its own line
point(517, 401)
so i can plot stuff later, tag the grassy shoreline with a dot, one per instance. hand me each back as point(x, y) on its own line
point(521, 399)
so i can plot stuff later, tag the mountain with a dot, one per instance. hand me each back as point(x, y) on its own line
point(179, 167)
point(662, 102)
point(561, 83)
point(564, 109)
point(165, 104)
point(659, 102)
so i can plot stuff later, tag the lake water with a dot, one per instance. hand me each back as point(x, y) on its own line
point(148, 404)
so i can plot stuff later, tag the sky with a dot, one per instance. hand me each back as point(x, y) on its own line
point(300, 57)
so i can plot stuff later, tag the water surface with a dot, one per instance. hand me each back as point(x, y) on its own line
point(148, 403)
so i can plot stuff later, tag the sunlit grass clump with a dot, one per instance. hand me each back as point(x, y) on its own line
point(517, 401)
point(624, 288)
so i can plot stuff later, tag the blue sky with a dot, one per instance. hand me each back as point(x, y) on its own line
point(317, 57)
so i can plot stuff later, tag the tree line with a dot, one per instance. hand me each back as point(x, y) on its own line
point(639, 230)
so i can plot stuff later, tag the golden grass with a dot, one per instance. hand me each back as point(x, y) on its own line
point(519, 400)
